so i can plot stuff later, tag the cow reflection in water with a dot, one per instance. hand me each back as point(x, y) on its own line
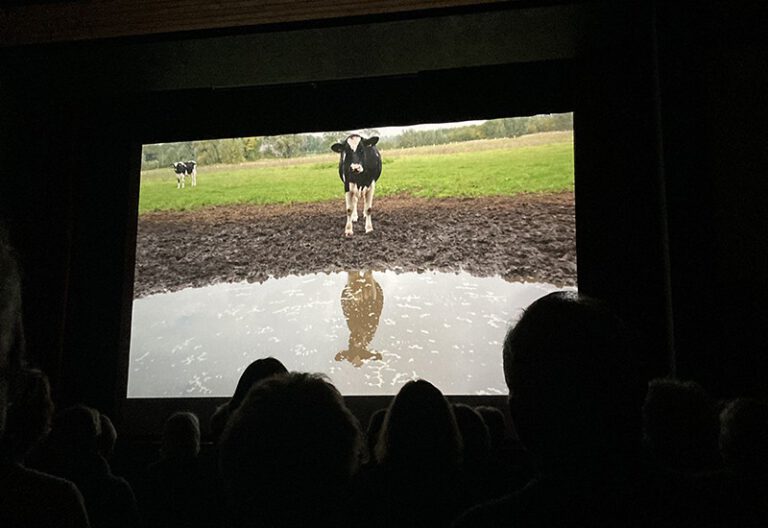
point(361, 301)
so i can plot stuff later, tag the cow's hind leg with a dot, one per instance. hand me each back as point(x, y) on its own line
point(348, 230)
point(194, 177)
point(369, 207)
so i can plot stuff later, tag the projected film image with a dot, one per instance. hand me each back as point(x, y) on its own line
point(373, 256)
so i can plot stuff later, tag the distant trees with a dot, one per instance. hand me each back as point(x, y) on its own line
point(493, 128)
point(239, 150)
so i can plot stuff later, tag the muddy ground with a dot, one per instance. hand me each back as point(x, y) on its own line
point(523, 238)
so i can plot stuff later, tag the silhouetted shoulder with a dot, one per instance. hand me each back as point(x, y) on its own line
point(497, 512)
point(31, 498)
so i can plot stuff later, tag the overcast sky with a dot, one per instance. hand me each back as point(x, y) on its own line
point(393, 131)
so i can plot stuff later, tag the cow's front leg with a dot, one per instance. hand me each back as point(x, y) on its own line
point(348, 230)
point(369, 207)
point(355, 195)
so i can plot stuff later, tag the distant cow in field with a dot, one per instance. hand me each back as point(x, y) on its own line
point(359, 170)
point(184, 169)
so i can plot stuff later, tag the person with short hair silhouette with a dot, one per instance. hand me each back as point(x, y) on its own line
point(575, 393)
point(511, 467)
point(744, 447)
point(255, 372)
point(107, 438)
point(179, 490)
point(288, 454)
point(680, 426)
point(73, 454)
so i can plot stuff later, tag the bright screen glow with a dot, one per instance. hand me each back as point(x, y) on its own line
point(251, 255)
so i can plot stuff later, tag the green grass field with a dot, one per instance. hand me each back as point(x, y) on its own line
point(538, 163)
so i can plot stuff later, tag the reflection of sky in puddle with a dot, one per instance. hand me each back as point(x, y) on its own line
point(370, 333)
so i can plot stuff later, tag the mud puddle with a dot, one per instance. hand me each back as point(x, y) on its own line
point(369, 331)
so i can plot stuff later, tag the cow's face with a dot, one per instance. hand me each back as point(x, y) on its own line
point(179, 167)
point(353, 153)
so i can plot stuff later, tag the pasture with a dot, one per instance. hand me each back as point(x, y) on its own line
point(539, 163)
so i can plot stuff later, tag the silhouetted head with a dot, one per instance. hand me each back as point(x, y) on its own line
point(494, 421)
point(375, 424)
point(744, 437)
point(289, 449)
point(419, 431)
point(29, 418)
point(575, 389)
point(474, 434)
point(11, 331)
point(181, 436)
point(76, 429)
point(254, 373)
point(107, 438)
point(680, 425)
point(218, 421)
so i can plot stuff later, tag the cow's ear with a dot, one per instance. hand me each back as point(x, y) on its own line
point(371, 141)
point(337, 147)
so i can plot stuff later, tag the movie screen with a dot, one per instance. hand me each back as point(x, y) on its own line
point(373, 256)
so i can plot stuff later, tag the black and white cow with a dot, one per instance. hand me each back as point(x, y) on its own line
point(359, 169)
point(184, 169)
point(180, 168)
point(192, 171)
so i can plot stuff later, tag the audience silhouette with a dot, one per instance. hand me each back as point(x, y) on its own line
point(476, 453)
point(511, 466)
point(419, 460)
point(28, 498)
point(180, 488)
point(680, 426)
point(107, 438)
point(291, 454)
point(372, 433)
point(575, 397)
point(288, 454)
point(72, 452)
point(744, 447)
point(253, 373)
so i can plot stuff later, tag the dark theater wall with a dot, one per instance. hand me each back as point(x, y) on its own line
point(713, 82)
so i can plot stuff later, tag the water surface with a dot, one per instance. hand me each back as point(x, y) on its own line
point(370, 332)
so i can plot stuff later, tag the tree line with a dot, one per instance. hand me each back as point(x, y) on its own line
point(240, 150)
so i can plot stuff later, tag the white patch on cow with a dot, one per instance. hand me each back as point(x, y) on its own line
point(356, 167)
point(353, 142)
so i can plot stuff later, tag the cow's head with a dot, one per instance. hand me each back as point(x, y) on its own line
point(179, 166)
point(353, 152)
